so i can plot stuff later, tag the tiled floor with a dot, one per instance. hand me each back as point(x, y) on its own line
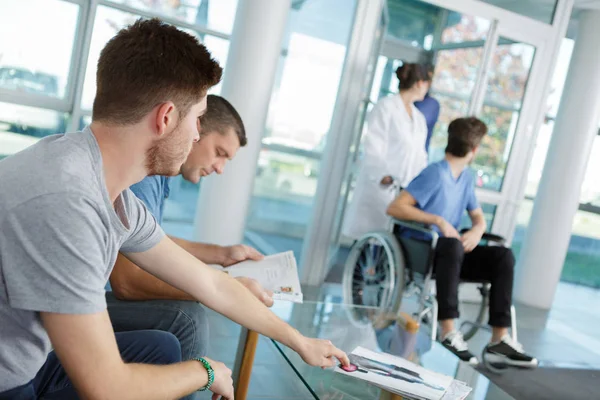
point(566, 336)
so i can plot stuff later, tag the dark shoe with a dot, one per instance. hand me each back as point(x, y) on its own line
point(508, 353)
point(454, 342)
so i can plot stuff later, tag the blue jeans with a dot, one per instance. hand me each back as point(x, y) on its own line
point(52, 382)
point(187, 320)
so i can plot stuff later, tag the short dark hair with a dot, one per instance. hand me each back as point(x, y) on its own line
point(146, 64)
point(464, 135)
point(221, 115)
point(409, 74)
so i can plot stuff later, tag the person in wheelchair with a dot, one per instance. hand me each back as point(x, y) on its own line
point(438, 196)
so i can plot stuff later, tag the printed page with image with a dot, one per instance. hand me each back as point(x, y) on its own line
point(278, 273)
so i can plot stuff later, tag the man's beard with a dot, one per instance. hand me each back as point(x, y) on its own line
point(167, 155)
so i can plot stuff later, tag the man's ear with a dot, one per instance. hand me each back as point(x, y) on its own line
point(166, 117)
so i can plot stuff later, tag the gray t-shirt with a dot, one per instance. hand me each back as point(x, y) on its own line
point(59, 240)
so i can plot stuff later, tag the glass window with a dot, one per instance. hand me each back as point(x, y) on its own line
point(217, 15)
point(108, 22)
point(508, 77)
point(21, 126)
point(461, 28)
point(456, 71)
point(450, 109)
point(301, 109)
point(35, 55)
point(412, 21)
point(509, 73)
point(489, 212)
point(560, 75)
point(542, 11)
point(582, 264)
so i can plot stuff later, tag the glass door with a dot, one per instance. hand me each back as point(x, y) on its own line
point(490, 63)
point(309, 77)
point(458, 56)
point(336, 243)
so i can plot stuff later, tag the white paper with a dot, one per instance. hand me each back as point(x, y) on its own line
point(278, 273)
point(457, 391)
point(397, 375)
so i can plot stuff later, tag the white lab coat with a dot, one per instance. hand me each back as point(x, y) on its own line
point(394, 145)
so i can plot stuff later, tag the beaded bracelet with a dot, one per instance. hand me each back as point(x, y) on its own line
point(210, 371)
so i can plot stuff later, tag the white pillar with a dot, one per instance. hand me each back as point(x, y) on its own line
point(545, 246)
point(249, 75)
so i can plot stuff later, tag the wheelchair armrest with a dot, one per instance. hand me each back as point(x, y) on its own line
point(417, 226)
point(490, 237)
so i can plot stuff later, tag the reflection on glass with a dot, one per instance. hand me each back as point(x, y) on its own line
point(542, 11)
point(22, 126)
point(108, 22)
point(461, 28)
point(217, 15)
point(35, 54)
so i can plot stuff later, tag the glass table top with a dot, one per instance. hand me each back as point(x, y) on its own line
point(351, 326)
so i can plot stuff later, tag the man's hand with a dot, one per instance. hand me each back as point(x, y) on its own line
point(321, 353)
point(470, 240)
point(447, 229)
point(223, 384)
point(264, 295)
point(386, 180)
point(238, 253)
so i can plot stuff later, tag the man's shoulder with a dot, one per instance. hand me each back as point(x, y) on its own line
point(433, 170)
point(56, 165)
point(151, 187)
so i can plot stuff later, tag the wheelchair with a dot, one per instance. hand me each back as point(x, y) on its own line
point(384, 267)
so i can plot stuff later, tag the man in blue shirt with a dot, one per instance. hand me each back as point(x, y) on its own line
point(430, 108)
point(439, 196)
point(140, 301)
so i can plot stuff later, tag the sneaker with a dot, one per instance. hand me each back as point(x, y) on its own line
point(508, 353)
point(454, 342)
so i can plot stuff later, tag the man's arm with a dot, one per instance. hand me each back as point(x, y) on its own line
point(220, 255)
point(207, 253)
point(220, 292)
point(130, 282)
point(87, 349)
point(404, 207)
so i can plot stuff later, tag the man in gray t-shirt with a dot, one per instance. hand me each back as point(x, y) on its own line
point(56, 212)
point(65, 212)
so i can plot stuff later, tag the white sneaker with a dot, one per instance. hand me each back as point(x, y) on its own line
point(455, 342)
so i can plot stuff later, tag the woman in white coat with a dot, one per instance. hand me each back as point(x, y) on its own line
point(394, 148)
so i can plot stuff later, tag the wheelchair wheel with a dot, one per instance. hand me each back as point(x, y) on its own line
point(481, 314)
point(374, 274)
point(490, 366)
